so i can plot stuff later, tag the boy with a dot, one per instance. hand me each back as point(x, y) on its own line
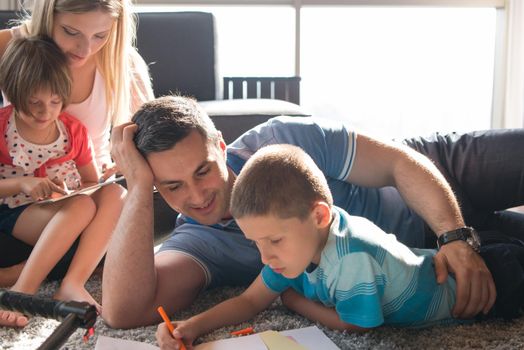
point(353, 275)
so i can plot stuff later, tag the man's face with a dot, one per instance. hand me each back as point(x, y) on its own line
point(194, 179)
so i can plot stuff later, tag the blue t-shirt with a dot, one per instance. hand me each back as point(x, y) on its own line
point(332, 145)
point(372, 279)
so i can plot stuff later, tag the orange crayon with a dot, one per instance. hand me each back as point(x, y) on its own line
point(245, 331)
point(163, 314)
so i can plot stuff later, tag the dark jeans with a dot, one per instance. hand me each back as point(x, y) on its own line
point(504, 258)
point(486, 171)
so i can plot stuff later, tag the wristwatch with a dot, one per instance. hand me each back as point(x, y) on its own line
point(466, 234)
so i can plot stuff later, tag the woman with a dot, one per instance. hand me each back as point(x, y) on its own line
point(110, 81)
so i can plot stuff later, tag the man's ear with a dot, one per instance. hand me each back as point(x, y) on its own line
point(322, 214)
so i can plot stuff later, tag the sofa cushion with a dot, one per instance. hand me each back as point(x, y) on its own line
point(234, 117)
point(180, 50)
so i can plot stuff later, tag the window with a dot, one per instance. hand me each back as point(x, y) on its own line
point(394, 71)
point(401, 71)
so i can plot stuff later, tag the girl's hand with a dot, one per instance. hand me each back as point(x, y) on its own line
point(39, 188)
point(184, 331)
point(108, 170)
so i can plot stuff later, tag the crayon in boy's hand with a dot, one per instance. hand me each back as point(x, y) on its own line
point(163, 314)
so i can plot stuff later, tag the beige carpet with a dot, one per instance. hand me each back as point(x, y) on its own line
point(487, 335)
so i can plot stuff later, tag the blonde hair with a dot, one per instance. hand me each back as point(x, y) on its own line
point(30, 65)
point(280, 180)
point(115, 59)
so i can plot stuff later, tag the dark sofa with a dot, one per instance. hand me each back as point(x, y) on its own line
point(185, 61)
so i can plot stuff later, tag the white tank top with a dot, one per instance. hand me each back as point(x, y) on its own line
point(92, 112)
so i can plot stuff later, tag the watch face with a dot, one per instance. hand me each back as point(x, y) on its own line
point(473, 239)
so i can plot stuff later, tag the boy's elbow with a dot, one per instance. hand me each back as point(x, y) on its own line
point(353, 328)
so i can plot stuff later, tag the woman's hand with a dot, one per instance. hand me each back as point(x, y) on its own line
point(39, 188)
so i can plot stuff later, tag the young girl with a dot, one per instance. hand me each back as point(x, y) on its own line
point(42, 148)
point(109, 82)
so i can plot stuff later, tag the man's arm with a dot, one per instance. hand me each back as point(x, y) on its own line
point(135, 283)
point(427, 192)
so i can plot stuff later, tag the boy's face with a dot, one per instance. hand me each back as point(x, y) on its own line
point(44, 109)
point(194, 179)
point(288, 246)
point(81, 35)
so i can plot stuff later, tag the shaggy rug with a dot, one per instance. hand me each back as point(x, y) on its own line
point(485, 335)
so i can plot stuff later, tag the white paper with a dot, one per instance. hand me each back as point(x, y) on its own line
point(85, 190)
point(310, 337)
point(108, 343)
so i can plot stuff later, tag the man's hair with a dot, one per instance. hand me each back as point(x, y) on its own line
point(279, 180)
point(30, 65)
point(165, 121)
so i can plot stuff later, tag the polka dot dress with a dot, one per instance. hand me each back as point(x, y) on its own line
point(27, 157)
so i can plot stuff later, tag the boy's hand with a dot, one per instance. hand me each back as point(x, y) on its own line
point(39, 188)
point(183, 331)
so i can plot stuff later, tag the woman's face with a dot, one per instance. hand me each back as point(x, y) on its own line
point(81, 36)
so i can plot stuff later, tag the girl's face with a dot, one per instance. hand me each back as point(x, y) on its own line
point(81, 36)
point(44, 108)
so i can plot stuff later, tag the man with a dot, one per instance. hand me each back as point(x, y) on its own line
point(174, 146)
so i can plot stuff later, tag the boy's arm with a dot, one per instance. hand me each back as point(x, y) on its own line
point(254, 299)
point(317, 312)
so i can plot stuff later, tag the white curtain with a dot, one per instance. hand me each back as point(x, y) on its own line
point(513, 115)
point(11, 4)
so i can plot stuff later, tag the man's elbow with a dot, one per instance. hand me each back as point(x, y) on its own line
point(125, 319)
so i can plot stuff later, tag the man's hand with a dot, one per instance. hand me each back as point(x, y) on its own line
point(126, 156)
point(475, 287)
point(184, 331)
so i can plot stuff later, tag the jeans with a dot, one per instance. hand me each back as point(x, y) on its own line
point(486, 172)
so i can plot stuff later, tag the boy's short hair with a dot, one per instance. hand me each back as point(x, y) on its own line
point(279, 180)
point(31, 64)
point(165, 121)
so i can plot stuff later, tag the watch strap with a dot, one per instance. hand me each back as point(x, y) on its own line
point(462, 233)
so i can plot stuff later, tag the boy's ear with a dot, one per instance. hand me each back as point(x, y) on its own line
point(322, 214)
